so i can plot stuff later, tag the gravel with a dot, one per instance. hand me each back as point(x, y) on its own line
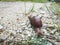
point(14, 20)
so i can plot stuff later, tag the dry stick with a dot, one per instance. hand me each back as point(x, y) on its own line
point(54, 10)
point(50, 10)
point(25, 11)
point(53, 14)
point(5, 42)
point(12, 25)
point(27, 14)
point(53, 42)
point(47, 8)
point(25, 7)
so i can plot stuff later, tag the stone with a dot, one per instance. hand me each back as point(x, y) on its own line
point(23, 28)
point(1, 26)
point(11, 38)
point(53, 31)
point(58, 39)
point(3, 37)
point(12, 32)
point(17, 31)
point(45, 32)
point(45, 25)
point(49, 43)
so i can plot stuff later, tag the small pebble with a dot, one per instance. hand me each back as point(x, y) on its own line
point(3, 37)
point(1, 26)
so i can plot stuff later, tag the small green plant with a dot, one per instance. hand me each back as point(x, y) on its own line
point(55, 8)
point(27, 0)
point(58, 28)
point(57, 11)
point(32, 9)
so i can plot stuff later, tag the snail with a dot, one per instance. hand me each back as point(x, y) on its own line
point(36, 23)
